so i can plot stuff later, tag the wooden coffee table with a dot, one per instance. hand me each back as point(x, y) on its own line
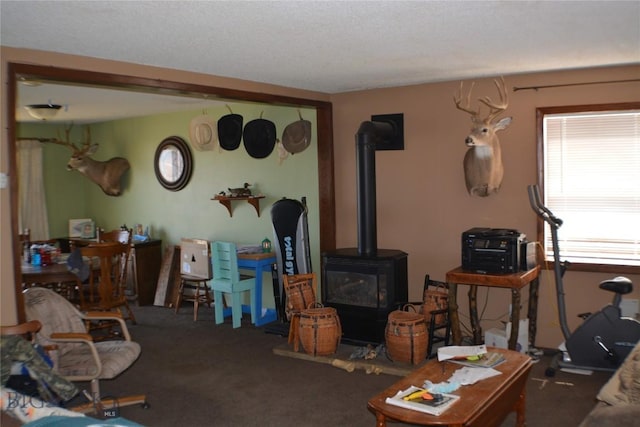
point(483, 404)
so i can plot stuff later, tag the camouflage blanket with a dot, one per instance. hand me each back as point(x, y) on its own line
point(16, 349)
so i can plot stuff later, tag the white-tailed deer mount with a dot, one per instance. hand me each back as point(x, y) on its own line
point(483, 169)
point(106, 174)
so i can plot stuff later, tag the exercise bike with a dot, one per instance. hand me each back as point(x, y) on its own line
point(605, 338)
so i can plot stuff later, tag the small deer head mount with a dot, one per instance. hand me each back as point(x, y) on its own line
point(106, 174)
point(483, 169)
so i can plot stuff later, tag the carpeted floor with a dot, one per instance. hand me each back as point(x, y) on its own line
point(202, 374)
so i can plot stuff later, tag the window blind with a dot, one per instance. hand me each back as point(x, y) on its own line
point(592, 182)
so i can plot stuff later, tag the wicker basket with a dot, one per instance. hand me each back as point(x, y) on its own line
point(435, 299)
point(320, 330)
point(299, 291)
point(406, 336)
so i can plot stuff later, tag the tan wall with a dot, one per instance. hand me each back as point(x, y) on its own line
point(422, 203)
point(7, 295)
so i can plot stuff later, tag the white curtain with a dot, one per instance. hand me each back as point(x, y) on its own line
point(32, 206)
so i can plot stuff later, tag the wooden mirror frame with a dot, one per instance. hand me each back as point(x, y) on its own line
point(324, 116)
point(183, 178)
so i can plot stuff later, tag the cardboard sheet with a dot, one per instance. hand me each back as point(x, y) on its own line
point(195, 258)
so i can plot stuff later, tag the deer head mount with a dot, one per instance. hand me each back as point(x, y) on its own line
point(483, 169)
point(106, 174)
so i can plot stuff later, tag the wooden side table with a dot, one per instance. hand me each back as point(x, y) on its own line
point(260, 262)
point(515, 282)
point(484, 404)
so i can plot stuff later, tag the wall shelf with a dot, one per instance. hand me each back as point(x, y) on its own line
point(252, 200)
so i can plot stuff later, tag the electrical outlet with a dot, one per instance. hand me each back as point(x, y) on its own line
point(4, 180)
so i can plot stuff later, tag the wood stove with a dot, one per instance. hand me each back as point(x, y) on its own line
point(365, 284)
point(364, 290)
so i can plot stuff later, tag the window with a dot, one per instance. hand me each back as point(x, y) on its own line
point(589, 162)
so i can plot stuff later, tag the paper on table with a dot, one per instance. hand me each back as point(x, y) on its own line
point(488, 360)
point(468, 375)
point(460, 351)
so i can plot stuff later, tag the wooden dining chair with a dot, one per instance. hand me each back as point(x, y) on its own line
point(436, 314)
point(194, 289)
point(25, 239)
point(194, 283)
point(123, 235)
point(111, 281)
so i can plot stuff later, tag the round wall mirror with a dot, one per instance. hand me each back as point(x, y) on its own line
point(173, 163)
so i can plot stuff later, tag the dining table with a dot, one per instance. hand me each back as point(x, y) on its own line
point(56, 274)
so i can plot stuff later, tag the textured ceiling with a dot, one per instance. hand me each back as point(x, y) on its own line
point(334, 46)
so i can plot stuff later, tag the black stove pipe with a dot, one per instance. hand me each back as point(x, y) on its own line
point(368, 136)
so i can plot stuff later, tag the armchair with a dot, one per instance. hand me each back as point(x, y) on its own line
point(78, 357)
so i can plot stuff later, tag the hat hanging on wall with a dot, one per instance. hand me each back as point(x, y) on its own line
point(203, 132)
point(297, 135)
point(230, 130)
point(282, 152)
point(259, 137)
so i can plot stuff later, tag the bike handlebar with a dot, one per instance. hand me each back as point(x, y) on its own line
point(536, 204)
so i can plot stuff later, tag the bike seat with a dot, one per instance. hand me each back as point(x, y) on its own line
point(620, 285)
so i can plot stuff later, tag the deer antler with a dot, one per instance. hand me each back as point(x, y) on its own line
point(86, 145)
point(66, 142)
point(457, 98)
point(496, 108)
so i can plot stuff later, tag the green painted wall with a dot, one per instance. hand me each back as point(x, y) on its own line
point(190, 212)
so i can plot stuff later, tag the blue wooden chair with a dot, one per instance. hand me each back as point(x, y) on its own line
point(226, 279)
